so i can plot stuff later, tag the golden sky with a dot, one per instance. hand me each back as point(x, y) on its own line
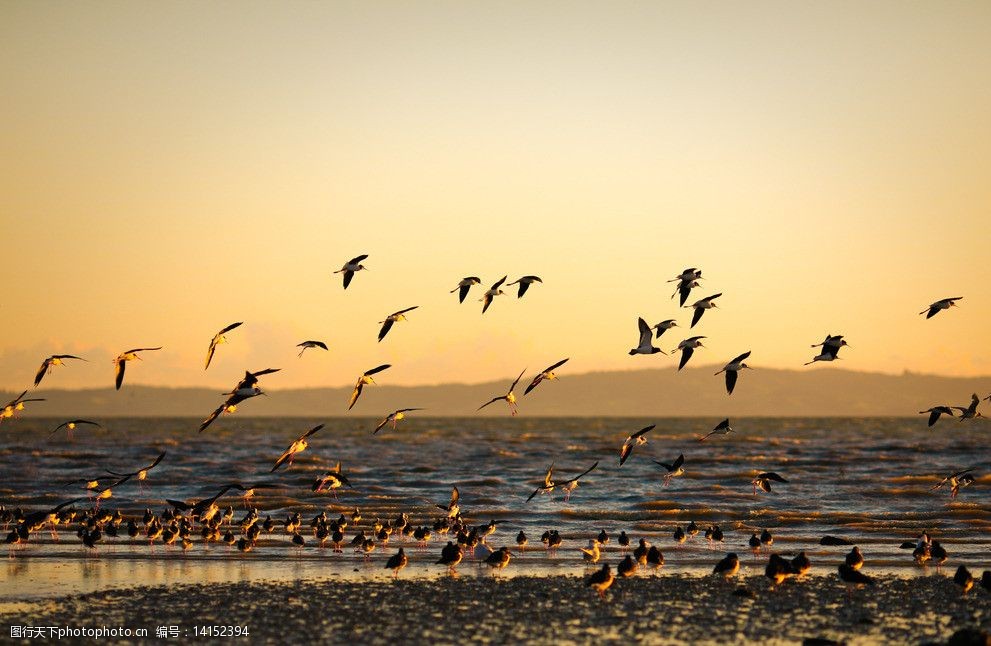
point(169, 168)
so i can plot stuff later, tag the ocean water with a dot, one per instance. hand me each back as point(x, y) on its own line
point(866, 480)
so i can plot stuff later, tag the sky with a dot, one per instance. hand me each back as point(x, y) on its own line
point(169, 168)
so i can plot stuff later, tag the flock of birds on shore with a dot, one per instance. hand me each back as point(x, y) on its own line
point(178, 522)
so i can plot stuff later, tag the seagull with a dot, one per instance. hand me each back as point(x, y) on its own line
point(219, 338)
point(17, 404)
point(763, 481)
point(701, 306)
point(393, 318)
point(509, 397)
point(306, 345)
point(365, 379)
point(687, 348)
point(299, 445)
point(124, 357)
point(935, 412)
point(646, 336)
point(71, 425)
point(971, 411)
point(331, 480)
point(350, 267)
point(956, 481)
point(732, 370)
point(245, 389)
point(491, 293)
point(673, 470)
point(570, 485)
point(664, 326)
point(49, 364)
point(142, 473)
point(633, 441)
point(524, 284)
point(394, 418)
point(943, 304)
point(830, 348)
point(547, 373)
point(601, 580)
point(463, 287)
point(722, 428)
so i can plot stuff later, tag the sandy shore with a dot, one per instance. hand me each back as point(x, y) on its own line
point(552, 609)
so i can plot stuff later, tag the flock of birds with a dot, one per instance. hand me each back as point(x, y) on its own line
point(182, 519)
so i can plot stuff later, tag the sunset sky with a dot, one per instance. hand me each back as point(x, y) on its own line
point(169, 168)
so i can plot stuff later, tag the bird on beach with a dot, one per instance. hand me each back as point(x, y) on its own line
point(938, 306)
point(17, 404)
point(350, 267)
point(217, 339)
point(687, 348)
point(498, 559)
point(394, 318)
point(591, 553)
point(397, 562)
point(633, 441)
point(970, 412)
point(450, 555)
point(645, 345)
point(763, 481)
point(121, 361)
point(627, 567)
point(491, 293)
point(509, 397)
point(466, 284)
point(547, 373)
point(71, 426)
point(524, 284)
point(778, 569)
point(330, 480)
point(601, 580)
point(855, 559)
point(964, 579)
point(306, 345)
point(298, 445)
point(394, 418)
point(673, 470)
point(663, 327)
point(722, 428)
point(49, 364)
point(364, 379)
point(728, 566)
point(830, 348)
point(701, 306)
point(732, 370)
point(956, 481)
point(935, 412)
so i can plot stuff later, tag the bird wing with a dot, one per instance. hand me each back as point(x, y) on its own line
point(408, 309)
point(213, 416)
point(486, 301)
point(535, 492)
point(642, 432)
point(462, 292)
point(378, 369)
point(742, 357)
point(155, 463)
point(119, 376)
point(355, 394)
point(357, 259)
point(583, 473)
point(285, 456)
point(644, 329)
point(143, 350)
point(686, 354)
point(556, 365)
point(731, 376)
point(533, 384)
point(231, 327)
point(386, 326)
point(381, 424)
point(57, 428)
point(666, 466)
point(455, 496)
point(513, 387)
point(680, 461)
point(41, 372)
point(491, 401)
point(524, 285)
point(770, 475)
point(319, 344)
point(697, 315)
point(499, 283)
point(210, 351)
point(722, 425)
point(311, 432)
point(348, 275)
point(933, 416)
point(626, 451)
point(549, 475)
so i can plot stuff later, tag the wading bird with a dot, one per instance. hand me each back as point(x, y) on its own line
point(245, 389)
point(350, 267)
point(331, 480)
point(393, 318)
point(970, 412)
point(299, 445)
point(509, 397)
point(217, 339)
point(71, 426)
point(687, 348)
point(830, 348)
point(547, 373)
point(673, 470)
point(17, 404)
point(645, 345)
point(722, 428)
point(524, 284)
point(763, 481)
point(49, 364)
point(663, 327)
point(601, 580)
point(633, 441)
point(364, 379)
point(701, 306)
point(491, 293)
point(463, 287)
point(568, 486)
point(940, 305)
point(957, 481)
point(732, 370)
point(394, 418)
point(121, 361)
point(935, 412)
point(306, 345)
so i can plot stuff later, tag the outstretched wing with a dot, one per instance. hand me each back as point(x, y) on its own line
point(348, 275)
point(358, 259)
point(680, 461)
point(381, 424)
point(213, 416)
point(585, 472)
point(513, 387)
point(311, 431)
point(686, 354)
point(41, 373)
point(533, 384)
point(731, 376)
point(524, 285)
point(499, 283)
point(556, 365)
point(119, 376)
point(355, 394)
point(210, 351)
point(770, 475)
point(462, 292)
point(699, 311)
point(386, 326)
point(742, 357)
point(491, 401)
point(378, 369)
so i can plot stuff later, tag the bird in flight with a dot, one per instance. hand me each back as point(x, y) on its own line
point(509, 397)
point(363, 380)
point(673, 470)
point(394, 418)
point(571, 484)
point(245, 389)
point(452, 507)
point(830, 348)
point(491, 293)
point(548, 485)
point(350, 267)
point(142, 473)
point(71, 426)
point(122, 360)
point(49, 364)
point(970, 412)
point(466, 283)
point(524, 284)
point(633, 441)
point(306, 345)
point(645, 345)
point(957, 481)
point(299, 445)
point(17, 404)
point(722, 428)
point(940, 305)
point(701, 306)
point(393, 318)
point(732, 370)
point(763, 481)
point(663, 327)
point(547, 373)
point(217, 339)
point(935, 412)
point(687, 348)
point(331, 480)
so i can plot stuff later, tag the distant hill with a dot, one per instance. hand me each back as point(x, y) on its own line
point(664, 392)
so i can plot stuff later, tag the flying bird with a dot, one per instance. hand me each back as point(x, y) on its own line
point(634, 440)
point(298, 446)
point(571, 484)
point(701, 306)
point(452, 508)
point(935, 412)
point(524, 284)
point(722, 428)
point(331, 480)
point(71, 426)
point(692, 273)
point(49, 364)
point(547, 373)
point(306, 345)
point(509, 398)
point(663, 327)
point(763, 481)
point(394, 418)
point(687, 348)
point(830, 348)
point(17, 404)
point(939, 305)
point(393, 318)
point(217, 339)
point(969, 412)
point(683, 290)
point(350, 267)
point(645, 346)
point(463, 287)
point(122, 360)
point(548, 485)
point(673, 470)
point(957, 481)
point(245, 389)
point(491, 293)
point(142, 473)
point(732, 370)
point(363, 380)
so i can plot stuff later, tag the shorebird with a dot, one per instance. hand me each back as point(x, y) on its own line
point(298, 446)
point(935, 412)
point(71, 425)
point(522, 540)
point(397, 562)
point(687, 348)
point(591, 553)
point(568, 486)
point(801, 564)
point(509, 398)
point(547, 373)
point(450, 555)
point(548, 485)
point(970, 412)
point(122, 359)
point(306, 345)
point(394, 418)
point(964, 579)
point(393, 318)
point(49, 364)
point(763, 481)
point(645, 345)
point(722, 428)
point(331, 480)
point(728, 566)
point(830, 348)
point(452, 508)
point(601, 580)
point(217, 339)
point(956, 481)
point(683, 290)
point(692, 273)
point(663, 327)
point(938, 554)
point(855, 559)
point(939, 305)
point(491, 293)
point(366, 378)
point(633, 441)
point(524, 284)
point(245, 389)
point(498, 559)
point(674, 469)
point(732, 369)
point(463, 287)
point(701, 306)
point(350, 267)
point(17, 404)
point(778, 569)
point(655, 558)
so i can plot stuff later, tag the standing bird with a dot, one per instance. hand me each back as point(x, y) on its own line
point(71, 425)
point(763, 481)
point(49, 364)
point(935, 412)
point(547, 373)
point(732, 370)
point(122, 360)
point(509, 398)
point(701, 306)
point(728, 567)
point(366, 378)
point(463, 287)
point(217, 339)
point(722, 428)
point(394, 418)
point(393, 318)
point(634, 440)
point(524, 284)
point(687, 348)
point(970, 412)
point(645, 345)
point(491, 293)
point(306, 345)
point(498, 559)
point(299, 445)
point(350, 267)
point(397, 562)
point(601, 580)
point(673, 470)
point(964, 579)
point(943, 304)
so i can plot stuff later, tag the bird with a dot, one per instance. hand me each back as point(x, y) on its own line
point(299, 445)
point(547, 373)
point(452, 508)
point(645, 345)
point(687, 348)
point(72, 424)
point(778, 569)
point(956, 481)
point(245, 389)
point(491, 293)
point(524, 284)
point(49, 364)
point(306, 345)
point(366, 378)
point(674, 469)
point(591, 553)
point(732, 370)
point(830, 348)
point(509, 397)
point(683, 290)
point(397, 562)
point(350, 267)
point(853, 578)
point(522, 540)
point(655, 558)
point(855, 559)
point(634, 440)
point(330, 480)
point(499, 558)
point(935, 412)
point(663, 327)
point(463, 287)
point(728, 566)
point(692, 273)
point(394, 418)
point(570, 485)
point(943, 304)
point(763, 481)
point(601, 580)
point(722, 428)
point(450, 555)
point(217, 339)
point(393, 318)
point(122, 360)
point(964, 579)
point(970, 412)
point(17, 404)
point(701, 306)
point(548, 485)
point(627, 567)
point(142, 473)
